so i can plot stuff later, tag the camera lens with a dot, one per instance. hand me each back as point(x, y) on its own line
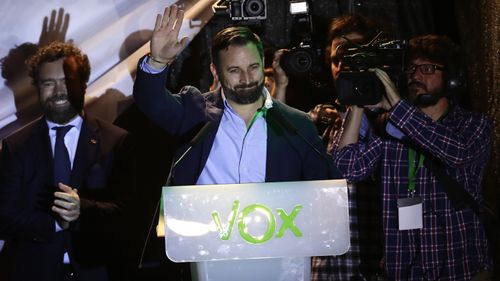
point(298, 61)
point(253, 8)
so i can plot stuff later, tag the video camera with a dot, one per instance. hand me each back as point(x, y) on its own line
point(305, 57)
point(355, 84)
point(242, 10)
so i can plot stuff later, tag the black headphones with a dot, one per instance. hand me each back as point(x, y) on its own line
point(454, 85)
point(455, 81)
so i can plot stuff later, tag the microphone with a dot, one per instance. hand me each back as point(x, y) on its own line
point(202, 133)
point(292, 129)
point(194, 142)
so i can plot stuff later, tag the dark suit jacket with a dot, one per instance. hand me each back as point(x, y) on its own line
point(144, 169)
point(289, 157)
point(26, 194)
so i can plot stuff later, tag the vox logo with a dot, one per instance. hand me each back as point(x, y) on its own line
point(243, 219)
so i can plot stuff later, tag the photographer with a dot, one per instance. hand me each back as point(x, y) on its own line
point(361, 262)
point(427, 235)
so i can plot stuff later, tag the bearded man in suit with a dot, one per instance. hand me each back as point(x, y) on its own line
point(55, 202)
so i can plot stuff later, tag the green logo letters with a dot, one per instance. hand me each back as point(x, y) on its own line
point(287, 222)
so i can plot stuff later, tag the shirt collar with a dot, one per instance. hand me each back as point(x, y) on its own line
point(75, 122)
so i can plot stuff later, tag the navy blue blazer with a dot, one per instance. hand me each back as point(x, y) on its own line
point(289, 157)
point(26, 195)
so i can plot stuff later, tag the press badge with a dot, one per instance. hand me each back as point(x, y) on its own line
point(410, 213)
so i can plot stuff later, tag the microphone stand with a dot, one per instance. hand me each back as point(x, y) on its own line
point(146, 241)
point(195, 141)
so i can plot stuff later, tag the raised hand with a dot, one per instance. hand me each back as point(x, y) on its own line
point(66, 205)
point(280, 77)
point(165, 44)
point(392, 97)
point(56, 29)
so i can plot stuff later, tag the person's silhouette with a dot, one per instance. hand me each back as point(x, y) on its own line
point(15, 70)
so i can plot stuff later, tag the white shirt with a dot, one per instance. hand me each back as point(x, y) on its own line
point(71, 137)
point(71, 143)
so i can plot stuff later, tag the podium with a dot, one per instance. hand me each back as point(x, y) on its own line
point(257, 231)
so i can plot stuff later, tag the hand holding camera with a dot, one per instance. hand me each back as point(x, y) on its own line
point(356, 84)
point(391, 97)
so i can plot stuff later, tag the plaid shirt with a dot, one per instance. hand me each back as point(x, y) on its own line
point(452, 243)
point(361, 261)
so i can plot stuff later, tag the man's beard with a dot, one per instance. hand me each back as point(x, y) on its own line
point(58, 114)
point(425, 99)
point(244, 93)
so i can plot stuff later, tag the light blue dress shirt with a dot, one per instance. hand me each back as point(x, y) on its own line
point(238, 154)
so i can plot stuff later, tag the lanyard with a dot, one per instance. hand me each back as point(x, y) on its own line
point(412, 170)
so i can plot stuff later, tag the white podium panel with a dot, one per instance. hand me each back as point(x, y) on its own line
point(253, 221)
point(282, 269)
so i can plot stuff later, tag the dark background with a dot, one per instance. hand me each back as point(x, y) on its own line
point(400, 19)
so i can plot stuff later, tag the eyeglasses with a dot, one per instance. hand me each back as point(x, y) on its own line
point(424, 68)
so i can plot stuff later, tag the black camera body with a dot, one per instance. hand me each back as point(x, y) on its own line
point(242, 10)
point(301, 60)
point(305, 57)
point(248, 9)
point(356, 85)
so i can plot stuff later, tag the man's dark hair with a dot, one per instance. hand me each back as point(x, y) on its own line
point(56, 51)
point(14, 64)
point(350, 23)
point(437, 48)
point(234, 36)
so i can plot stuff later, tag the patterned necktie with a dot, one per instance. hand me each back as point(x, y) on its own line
point(62, 164)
